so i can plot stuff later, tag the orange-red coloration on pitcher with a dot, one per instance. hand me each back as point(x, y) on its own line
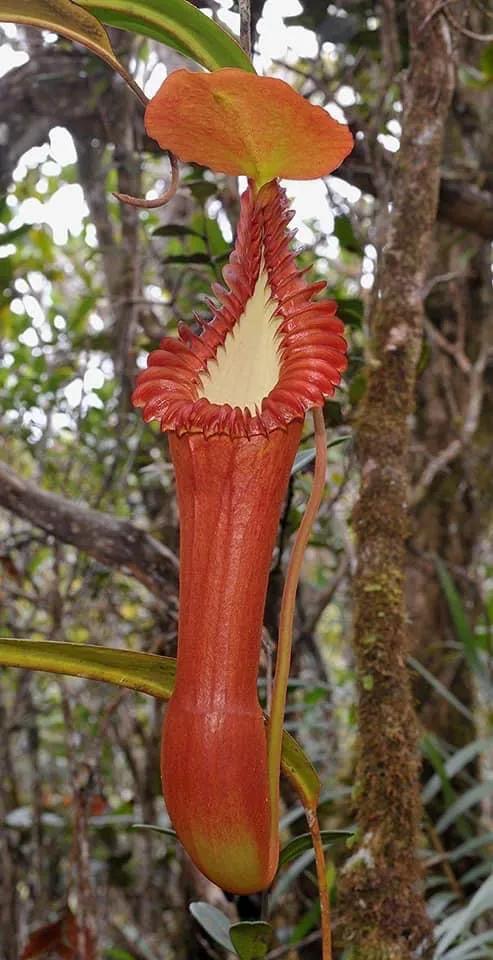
point(239, 123)
point(214, 756)
point(232, 467)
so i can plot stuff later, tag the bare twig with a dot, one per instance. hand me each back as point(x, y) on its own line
point(482, 7)
point(324, 597)
point(453, 349)
point(115, 543)
point(246, 26)
point(483, 37)
point(433, 13)
point(470, 422)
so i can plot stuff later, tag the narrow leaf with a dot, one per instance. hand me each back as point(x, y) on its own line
point(288, 877)
point(453, 927)
point(300, 771)
point(459, 617)
point(176, 23)
point(176, 230)
point(298, 845)
point(166, 831)
point(12, 235)
point(184, 258)
point(463, 803)
point(144, 672)
point(469, 949)
point(67, 19)
point(440, 687)
point(455, 764)
point(305, 457)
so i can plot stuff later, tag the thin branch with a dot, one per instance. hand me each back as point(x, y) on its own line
point(324, 597)
point(114, 543)
point(469, 425)
point(246, 26)
point(441, 5)
point(453, 349)
point(483, 37)
point(481, 6)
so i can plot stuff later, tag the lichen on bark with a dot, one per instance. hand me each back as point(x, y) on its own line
point(382, 914)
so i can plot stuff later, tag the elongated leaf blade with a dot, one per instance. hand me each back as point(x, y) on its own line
point(144, 672)
point(303, 842)
point(440, 687)
point(165, 831)
point(464, 803)
point(459, 616)
point(300, 771)
point(63, 17)
point(176, 23)
point(456, 763)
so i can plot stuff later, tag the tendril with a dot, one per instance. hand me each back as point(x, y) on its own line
point(286, 620)
point(160, 201)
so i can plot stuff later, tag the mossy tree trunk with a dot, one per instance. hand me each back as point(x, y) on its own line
point(382, 911)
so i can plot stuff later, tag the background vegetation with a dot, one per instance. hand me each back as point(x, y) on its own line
point(396, 606)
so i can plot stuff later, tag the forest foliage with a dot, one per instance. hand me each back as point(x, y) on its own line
point(392, 680)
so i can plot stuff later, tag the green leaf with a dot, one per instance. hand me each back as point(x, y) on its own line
point(176, 230)
point(287, 877)
point(201, 190)
point(440, 688)
point(215, 923)
point(144, 672)
point(12, 235)
point(67, 19)
point(308, 921)
point(459, 617)
point(350, 310)
point(251, 939)
point(459, 759)
point(432, 752)
point(115, 953)
point(166, 831)
point(176, 23)
point(454, 926)
point(474, 843)
point(300, 771)
point(343, 230)
point(486, 61)
point(305, 457)
point(298, 845)
point(468, 950)
point(464, 803)
point(188, 258)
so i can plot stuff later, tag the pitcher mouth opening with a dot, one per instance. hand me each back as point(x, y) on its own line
point(270, 351)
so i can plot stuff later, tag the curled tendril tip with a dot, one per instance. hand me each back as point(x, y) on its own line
point(160, 201)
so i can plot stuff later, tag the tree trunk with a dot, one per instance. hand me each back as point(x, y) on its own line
point(383, 914)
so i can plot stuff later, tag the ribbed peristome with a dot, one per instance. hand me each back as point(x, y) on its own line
point(308, 336)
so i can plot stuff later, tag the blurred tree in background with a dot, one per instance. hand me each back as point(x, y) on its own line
point(89, 533)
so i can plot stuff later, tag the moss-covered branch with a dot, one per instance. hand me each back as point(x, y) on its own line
point(382, 913)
